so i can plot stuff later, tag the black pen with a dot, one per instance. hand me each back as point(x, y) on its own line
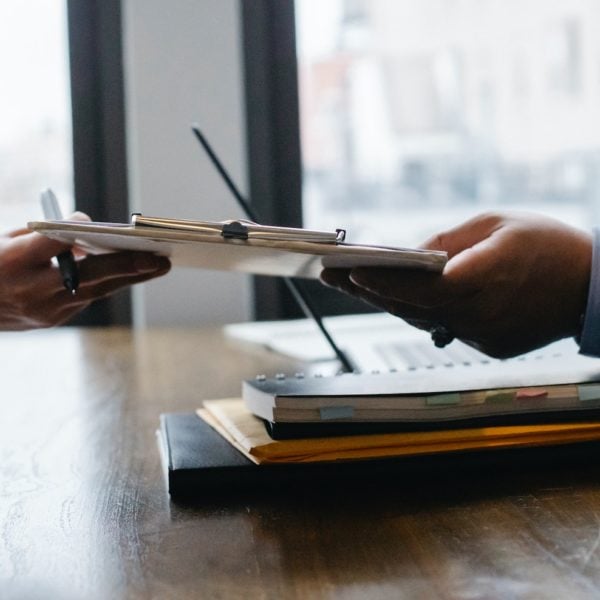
point(297, 292)
point(66, 260)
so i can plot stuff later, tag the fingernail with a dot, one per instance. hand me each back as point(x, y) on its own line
point(360, 277)
point(79, 216)
point(148, 263)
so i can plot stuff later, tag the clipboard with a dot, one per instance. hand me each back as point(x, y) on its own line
point(237, 245)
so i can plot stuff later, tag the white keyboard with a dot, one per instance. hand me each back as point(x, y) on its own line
point(373, 342)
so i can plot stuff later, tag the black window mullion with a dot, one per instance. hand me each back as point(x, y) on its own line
point(274, 149)
point(274, 162)
point(98, 118)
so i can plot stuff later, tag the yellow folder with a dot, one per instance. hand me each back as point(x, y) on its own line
point(247, 433)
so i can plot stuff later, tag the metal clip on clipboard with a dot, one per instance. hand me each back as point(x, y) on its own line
point(242, 230)
point(246, 230)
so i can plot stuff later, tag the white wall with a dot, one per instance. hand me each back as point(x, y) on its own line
point(183, 64)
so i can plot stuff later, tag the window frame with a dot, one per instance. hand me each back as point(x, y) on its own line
point(98, 123)
point(274, 147)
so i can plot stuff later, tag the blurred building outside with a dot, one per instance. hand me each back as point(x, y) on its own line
point(35, 137)
point(416, 114)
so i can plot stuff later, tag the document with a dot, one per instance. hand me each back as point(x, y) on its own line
point(237, 246)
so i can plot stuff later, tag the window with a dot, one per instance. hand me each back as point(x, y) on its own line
point(416, 114)
point(35, 137)
point(398, 118)
point(63, 118)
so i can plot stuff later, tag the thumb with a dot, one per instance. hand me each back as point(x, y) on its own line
point(467, 234)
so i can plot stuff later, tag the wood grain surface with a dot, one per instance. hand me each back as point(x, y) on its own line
point(84, 511)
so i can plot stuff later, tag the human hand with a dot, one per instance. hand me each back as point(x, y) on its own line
point(513, 282)
point(32, 293)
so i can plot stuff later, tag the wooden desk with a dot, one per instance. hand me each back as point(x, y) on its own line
point(84, 512)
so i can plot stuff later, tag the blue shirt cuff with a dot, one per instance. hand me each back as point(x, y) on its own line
point(589, 342)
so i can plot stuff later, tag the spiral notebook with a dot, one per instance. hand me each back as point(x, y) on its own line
point(548, 389)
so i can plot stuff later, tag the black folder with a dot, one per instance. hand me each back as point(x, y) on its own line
point(198, 462)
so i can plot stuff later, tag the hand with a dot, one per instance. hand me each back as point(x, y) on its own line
point(32, 293)
point(513, 282)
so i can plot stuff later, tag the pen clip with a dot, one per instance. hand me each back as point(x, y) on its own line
point(50, 206)
point(66, 262)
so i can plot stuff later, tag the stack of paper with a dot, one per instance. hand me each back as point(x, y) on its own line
point(248, 434)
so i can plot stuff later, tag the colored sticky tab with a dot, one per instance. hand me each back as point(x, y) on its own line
point(526, 394)
point(588, 392)
point(500, 396)
point(329, 413)
point(442, 399)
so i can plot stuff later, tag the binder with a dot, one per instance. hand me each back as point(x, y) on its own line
point(237, 245)
point(199, 464)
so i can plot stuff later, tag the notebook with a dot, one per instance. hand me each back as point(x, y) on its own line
point(520, 391)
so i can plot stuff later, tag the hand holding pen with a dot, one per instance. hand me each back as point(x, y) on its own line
point(66, 260)
point(32, 287)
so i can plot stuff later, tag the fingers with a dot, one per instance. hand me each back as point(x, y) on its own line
point(89, 292)
point(18, 232)
point(56, 305)
point(467, 234)
point(473, 249)
point(95, 269)
point(341, 280)
point(421, 289)
point(99, 276)
point(467, 246)
point(371, 284)
point(100, 288)
point(78, 216)
point(338, 278)
point(513, 282)
point(34, 249)
point(32, 292)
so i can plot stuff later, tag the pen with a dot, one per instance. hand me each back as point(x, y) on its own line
point(66, 261)
point(300, 295)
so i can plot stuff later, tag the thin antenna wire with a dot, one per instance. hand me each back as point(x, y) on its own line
point(299, 295)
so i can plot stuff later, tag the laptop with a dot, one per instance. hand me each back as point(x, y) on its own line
point(372, 342)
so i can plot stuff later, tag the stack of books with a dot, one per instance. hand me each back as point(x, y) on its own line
point(349, 419)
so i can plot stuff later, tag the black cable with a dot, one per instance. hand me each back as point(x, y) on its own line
point(298, 293)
